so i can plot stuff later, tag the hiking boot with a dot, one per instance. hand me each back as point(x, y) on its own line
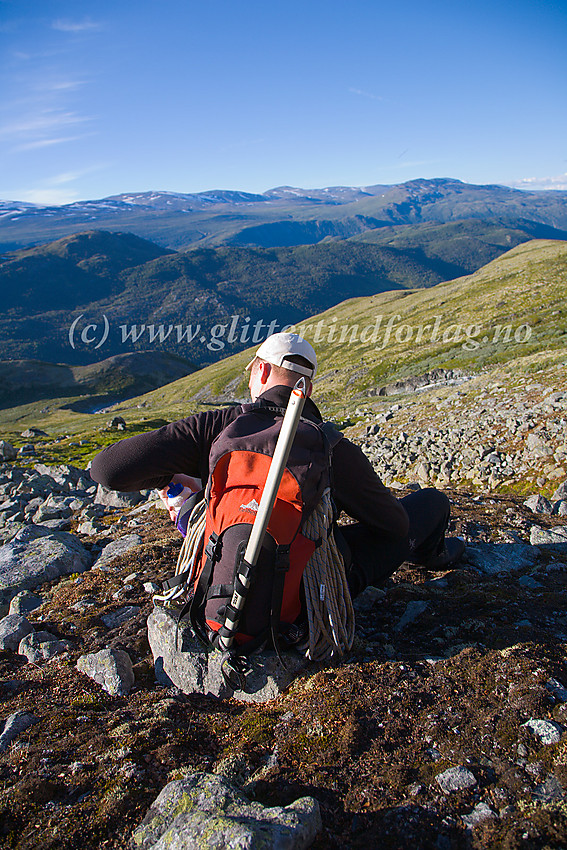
point(452, 552)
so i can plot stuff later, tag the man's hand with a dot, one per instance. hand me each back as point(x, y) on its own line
point(194, 484)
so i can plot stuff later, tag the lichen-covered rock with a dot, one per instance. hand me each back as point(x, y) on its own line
point(7, 451)
point(456, 779)
point(24, 602)
point(121, 615)
point(538, 504)
point(36, 555)
point(548, 731)
point(117, 547)
point(15, 724)
point(116, 499)
point(495, 558)
point(205, 811)
point(180, 660)
point(13, 628)
point(41, 646)
point(110, 668)
point(548, 536)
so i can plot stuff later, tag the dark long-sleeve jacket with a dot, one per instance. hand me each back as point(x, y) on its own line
point(152, 459)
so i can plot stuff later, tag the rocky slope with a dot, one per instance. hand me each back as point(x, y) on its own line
point(444, 728)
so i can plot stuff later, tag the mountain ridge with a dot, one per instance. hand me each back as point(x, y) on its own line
point(178, 220)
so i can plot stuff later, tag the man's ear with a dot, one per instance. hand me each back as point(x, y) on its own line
point(264, 371)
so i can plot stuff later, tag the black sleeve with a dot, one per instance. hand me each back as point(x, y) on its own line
point(359, 492)
point(152, 459)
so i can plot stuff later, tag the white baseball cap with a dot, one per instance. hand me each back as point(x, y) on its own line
point(278, 347)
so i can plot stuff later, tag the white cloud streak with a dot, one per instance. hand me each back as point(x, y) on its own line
point(66, 25)
point(368, 94)
point(558, 182)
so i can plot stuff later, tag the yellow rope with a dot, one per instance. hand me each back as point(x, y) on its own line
point(329, 605)
point(189, 548)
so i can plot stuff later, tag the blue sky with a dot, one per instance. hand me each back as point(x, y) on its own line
point(106, 97)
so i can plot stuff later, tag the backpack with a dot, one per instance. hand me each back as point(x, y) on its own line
point(218, 525)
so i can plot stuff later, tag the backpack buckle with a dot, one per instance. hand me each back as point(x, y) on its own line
point(213, 548)
point(282, 558)
point(234, 668)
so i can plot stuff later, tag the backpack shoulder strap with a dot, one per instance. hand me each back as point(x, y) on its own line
point(332, 433)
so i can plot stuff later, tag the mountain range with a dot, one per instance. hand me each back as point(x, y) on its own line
point(284, 216)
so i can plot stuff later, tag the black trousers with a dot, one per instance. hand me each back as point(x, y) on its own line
point(373, 557)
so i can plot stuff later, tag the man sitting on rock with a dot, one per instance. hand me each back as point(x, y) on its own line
point(386, 532)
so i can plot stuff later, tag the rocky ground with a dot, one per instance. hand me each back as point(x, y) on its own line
point(444, 728)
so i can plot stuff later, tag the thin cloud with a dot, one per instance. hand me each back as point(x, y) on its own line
point(558, 182)
point(362, 93)
point(66, 25)
point(46, 143)
point(41, 130)
point(50, 197)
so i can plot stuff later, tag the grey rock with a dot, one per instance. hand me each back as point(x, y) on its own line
point(557, 689)
point(15, 724)
point(7, 451)
point(54, 507)
point(413, 610)
point(25, 602)
point(122, 615)
point(560, 508)
point(560, 493)
point(365, 601)
point(206, 811)
point(115, 422)
point(64, 475)
point(456, 779)
point(12, 629)
point(548, 731)
point(192, 669)
point(116, 499)
point(55, 524)
point(549, 791)
point(29, 433)
point(480, 813)
point(89, 527)
point(84, 604)
point(530, 583)
point(118, 547)
point(548, 536)
point(110, 668)
point(495, 558)
point(36, 555)
point(93, 511)
point(41, 646)
point(538, 504)
point(27, 450)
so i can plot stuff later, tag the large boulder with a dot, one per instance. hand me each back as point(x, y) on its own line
point(7, 451)
point(496, 558)
point(13, 629)
point(36, 555)
point(117, 499)
point(181, 660)
point(116, 548)
point(110, 668)
point(204, 810)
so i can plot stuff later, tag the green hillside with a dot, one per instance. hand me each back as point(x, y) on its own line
point(509, 315)
point(133, 282)
point(512, 307)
